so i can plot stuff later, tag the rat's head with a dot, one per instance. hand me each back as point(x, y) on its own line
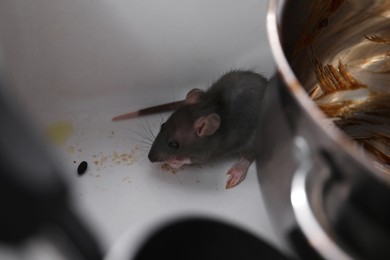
point(184, 137)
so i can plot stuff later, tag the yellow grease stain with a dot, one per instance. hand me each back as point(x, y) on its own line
point(59, 132)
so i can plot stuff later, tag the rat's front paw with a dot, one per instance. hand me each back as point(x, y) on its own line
point(178, 162)
point(235, 177)
point(238, 172)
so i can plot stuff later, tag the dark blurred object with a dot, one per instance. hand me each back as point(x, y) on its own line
point(197, 238)
point(32, 193)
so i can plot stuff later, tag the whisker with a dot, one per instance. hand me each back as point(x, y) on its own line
point(143, 135)
point(139, 138)
point(145, 148)
point(150, 131)
point(162, 119)
point(144, 142)
point(146, 134)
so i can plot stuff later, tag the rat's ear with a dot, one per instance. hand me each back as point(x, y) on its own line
point(193, 96)
point(207, 125)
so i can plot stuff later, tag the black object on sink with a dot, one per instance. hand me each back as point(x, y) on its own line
point(201, 238)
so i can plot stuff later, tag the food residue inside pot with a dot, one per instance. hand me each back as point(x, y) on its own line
point(362, 113)
point(351, 79)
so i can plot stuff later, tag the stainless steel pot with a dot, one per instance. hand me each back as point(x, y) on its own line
point(328, 197)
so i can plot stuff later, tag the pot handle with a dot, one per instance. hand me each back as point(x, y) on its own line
point(303, 212)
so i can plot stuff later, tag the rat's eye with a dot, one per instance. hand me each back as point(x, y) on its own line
point(162, 125)
point(173, 145)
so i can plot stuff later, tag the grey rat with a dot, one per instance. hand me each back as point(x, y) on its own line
point(210, 124)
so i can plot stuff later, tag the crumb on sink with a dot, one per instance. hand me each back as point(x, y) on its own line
point(165, 167)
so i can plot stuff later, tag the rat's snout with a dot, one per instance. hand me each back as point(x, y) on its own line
point(155, 155)
point(152, 157)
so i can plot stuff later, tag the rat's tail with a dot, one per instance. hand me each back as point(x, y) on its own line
point(150, 110)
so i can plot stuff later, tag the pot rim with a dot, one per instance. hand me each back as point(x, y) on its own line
point(310, 108)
